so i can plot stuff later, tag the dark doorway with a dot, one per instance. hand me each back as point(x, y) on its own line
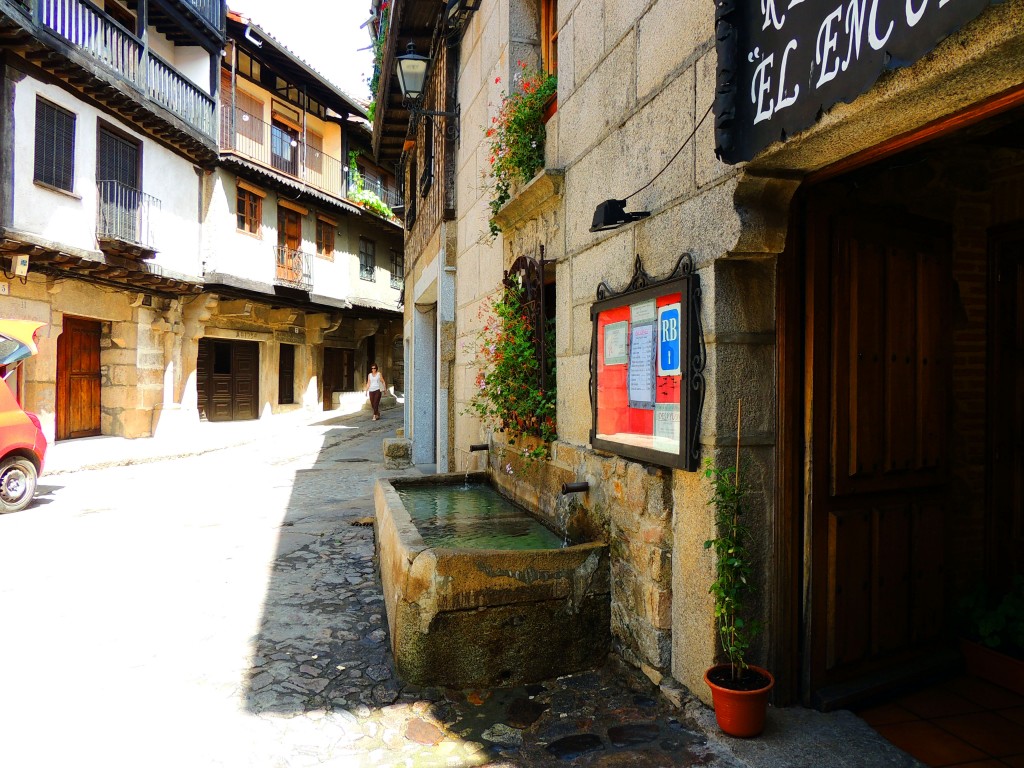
point(286, 375)
point(227, 376)
point(78, 379)
point(339, 373)
point(1006, 401)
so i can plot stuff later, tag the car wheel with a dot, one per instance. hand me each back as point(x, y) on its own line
point(17, 483)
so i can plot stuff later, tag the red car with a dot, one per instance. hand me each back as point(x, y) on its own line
point(22, 443)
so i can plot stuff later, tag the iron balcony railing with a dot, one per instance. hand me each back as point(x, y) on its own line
point(293, 268)
point(387, 195)
point(92, 31)
point(280, 148)
point(126, 215)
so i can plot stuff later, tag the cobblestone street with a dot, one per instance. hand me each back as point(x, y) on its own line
point(224, 610)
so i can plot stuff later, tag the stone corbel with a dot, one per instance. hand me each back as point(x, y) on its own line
point(283, 317)
point(197, 313)
point(362, 329)
point(235, 308)
point(318, 325)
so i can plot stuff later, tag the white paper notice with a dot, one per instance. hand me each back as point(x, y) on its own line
point(641, 366)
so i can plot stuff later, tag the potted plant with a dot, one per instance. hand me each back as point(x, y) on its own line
point(739, 690)
point(993, 628)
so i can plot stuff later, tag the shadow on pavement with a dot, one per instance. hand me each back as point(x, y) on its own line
point(323, 648)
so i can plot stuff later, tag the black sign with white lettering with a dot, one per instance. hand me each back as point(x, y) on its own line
point(782, 62)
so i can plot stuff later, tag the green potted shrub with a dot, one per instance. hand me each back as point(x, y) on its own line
point(739, 690)
point(993, 633)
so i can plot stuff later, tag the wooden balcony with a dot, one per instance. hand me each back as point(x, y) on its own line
point(267, 145)
point(293, 268)
point(78, 42)
point(181, 21)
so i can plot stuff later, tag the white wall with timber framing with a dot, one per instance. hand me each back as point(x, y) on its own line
point(71, 218)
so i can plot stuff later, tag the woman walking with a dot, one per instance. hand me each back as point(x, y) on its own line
point(375, 387)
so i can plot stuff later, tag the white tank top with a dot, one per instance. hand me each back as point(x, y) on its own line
point(375, 382)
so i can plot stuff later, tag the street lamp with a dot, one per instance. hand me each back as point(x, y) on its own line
point(412, 74)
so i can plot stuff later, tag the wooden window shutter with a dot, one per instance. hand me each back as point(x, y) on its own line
point(118, 159)
point(54, 146)
point(314, 151)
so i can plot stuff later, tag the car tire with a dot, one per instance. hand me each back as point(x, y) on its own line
point(17, 483)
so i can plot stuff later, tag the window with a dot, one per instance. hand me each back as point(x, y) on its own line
point(122, 215)
point(284, 148)
point(286, 375)
point(325, 239)
point(367, 259)
point(549, 35)
point(247, 66)
point(397, 270)
point(55, 146)
point(249, 208)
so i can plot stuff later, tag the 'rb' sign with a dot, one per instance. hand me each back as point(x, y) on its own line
point(670, 330)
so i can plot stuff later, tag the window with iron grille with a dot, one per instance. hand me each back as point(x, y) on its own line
point(325, 239)
point(250, 211)
point(55, 146)
point(397, 269)
point(367, 259)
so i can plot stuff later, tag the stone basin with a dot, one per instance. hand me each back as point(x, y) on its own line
point(466, 617)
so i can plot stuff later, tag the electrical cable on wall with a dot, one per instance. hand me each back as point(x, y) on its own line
point(612, 213)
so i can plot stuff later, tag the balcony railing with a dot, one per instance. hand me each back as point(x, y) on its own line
point(171, 91)
point(273, 147)
point(126, 215)
point(387, 195)
point(208, 9)
point(91, 30)
point(293, 268)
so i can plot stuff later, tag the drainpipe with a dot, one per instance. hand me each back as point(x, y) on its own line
point(234, 80)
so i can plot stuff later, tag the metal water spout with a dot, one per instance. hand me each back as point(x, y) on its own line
point(581, 486)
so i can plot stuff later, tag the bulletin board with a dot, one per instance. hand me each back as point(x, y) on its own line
point(647, 368)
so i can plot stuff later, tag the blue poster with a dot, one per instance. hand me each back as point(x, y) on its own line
point(670, 330)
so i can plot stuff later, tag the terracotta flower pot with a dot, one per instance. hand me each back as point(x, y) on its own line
point(740, 713)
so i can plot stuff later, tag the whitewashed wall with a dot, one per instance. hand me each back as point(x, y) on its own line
point(71, 218)
point(233, 252)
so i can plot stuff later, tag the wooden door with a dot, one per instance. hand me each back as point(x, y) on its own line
point(289, 240)
point(78, 379)
point(1006, 402)
point(227, 375)
point(245, 384)
point(878, 404)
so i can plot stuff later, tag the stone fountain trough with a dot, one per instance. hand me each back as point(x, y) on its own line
point(464, 615)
